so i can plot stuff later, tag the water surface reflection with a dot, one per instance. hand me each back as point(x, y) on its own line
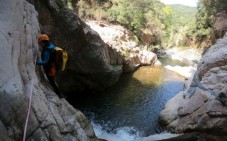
point(134, 102)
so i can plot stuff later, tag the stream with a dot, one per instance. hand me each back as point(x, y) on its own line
point(129, 110)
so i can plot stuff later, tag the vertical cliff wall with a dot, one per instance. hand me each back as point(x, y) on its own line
point(51, 118)
point(93, 64)
point(89, 60)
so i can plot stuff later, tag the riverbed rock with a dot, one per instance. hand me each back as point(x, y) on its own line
point(50, 118)
point(142, 58)
point(202, 105)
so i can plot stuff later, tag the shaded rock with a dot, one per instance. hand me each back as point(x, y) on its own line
point(220, 26)
point(89, 60)
point(93, 63)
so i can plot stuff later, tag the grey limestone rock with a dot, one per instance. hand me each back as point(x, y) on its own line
point(203, 106)
point(18, 78)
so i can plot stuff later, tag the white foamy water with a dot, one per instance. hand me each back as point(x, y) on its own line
point(189, 54)
point(122, 134)
point(183, 71)
point(128, 134)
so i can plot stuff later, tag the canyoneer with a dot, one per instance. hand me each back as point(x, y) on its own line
point(47, 62)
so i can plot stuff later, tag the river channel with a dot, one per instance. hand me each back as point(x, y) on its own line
point(130, 109)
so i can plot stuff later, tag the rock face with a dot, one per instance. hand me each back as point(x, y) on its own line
point(92, 64)
point(51, 118)
point(89, 59)
point(220, 26)
point(202, 105)
point(147, 38)
point(123, 50)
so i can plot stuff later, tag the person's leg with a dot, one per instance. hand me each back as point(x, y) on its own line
point(55, 86)
point(53, 83)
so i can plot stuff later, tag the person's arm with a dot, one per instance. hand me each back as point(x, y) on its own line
point(46, 56)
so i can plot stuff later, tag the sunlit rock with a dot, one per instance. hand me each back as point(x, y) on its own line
point(203, 105)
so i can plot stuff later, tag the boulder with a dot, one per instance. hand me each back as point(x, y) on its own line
point(201, 107)
point(122, 48)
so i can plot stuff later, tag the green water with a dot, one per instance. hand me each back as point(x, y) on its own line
point(134, 102)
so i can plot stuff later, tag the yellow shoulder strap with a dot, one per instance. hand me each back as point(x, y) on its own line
point(65, 58)
point(58, 48)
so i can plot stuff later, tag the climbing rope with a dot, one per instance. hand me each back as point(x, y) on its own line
point(30, 98)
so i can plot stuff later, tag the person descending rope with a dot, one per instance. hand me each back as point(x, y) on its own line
point(48, 62)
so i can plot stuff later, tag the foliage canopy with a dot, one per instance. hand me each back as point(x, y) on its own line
point(144, 16)
point(207, 9)
point(137, 15)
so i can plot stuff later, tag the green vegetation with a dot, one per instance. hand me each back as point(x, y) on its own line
point(181, 30)
point(172, 25)
point(60, 4)
point(207, 9)
point(183, 15)
point(149, 16)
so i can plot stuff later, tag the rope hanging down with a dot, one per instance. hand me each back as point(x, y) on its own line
point(30, 99)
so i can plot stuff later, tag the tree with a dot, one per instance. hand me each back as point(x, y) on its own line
point(207, 9)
